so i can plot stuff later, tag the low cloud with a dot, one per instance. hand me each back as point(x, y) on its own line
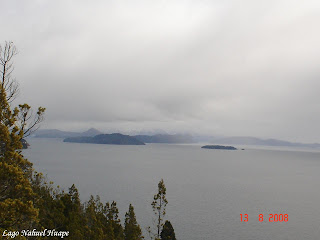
point(209, 67)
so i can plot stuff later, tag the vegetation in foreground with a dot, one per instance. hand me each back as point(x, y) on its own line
point(28, 202)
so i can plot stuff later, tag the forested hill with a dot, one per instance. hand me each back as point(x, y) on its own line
point(114, 138)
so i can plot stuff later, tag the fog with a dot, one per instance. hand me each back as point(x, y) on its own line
point(235, 68)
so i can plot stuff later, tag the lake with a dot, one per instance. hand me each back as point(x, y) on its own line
point(207, 190)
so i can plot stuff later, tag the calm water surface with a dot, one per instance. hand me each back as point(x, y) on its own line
point(207, 189)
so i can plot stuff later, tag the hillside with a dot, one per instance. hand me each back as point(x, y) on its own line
point(114, 138)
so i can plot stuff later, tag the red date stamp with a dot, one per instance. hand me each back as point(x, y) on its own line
point(272, 217)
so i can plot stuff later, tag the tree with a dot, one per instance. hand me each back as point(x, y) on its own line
point(22, 117)
point(167, 232)
point(159, 205)
point(132, 230)
point(95, 220)
point(10, 86)
point(74, 219)
point(48, 201)
point(17, 210)
point(113, 221)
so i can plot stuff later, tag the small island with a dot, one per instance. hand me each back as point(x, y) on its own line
point(219, 147)
point(114, 138)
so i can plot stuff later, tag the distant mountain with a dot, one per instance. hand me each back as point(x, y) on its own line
point(55, 133)
point(166, 138)
point(114, 138)
point(91, 132)
point(262, 142)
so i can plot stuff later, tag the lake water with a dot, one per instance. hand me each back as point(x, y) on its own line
point(207, 190)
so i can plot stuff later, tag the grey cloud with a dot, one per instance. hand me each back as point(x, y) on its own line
point(216, 67)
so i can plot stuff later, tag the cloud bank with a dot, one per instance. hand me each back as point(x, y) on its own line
point(209, 67)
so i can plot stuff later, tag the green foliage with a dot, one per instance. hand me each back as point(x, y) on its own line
point(167, 232)
point(102, 221)
point(132, 230)
point(17, 209)
point(48, 200)
point(113, 220)
point(64, 212)
point(74, 220)
point(95, 220)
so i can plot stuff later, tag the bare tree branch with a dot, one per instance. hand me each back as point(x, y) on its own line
point(10, 86)
point(26, 122)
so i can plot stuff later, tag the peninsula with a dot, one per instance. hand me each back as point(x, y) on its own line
point(114, 138)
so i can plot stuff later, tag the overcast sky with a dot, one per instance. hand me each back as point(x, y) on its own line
point(234, 68)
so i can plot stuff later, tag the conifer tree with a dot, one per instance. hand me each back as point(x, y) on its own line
point(132, 230)
point(74, 219)
point(113, 221)
point(95, 220)
point(48, 200)
point(167, 232)
point(159, 205)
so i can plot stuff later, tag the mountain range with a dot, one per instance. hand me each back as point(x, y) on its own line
point(178, 138)
point(262, 142)
point(55, 133)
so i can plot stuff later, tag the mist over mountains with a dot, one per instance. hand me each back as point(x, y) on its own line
point(179, 138)
point(166, 138)
point(92, 132)
point(263, 142)
point(55, 133)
